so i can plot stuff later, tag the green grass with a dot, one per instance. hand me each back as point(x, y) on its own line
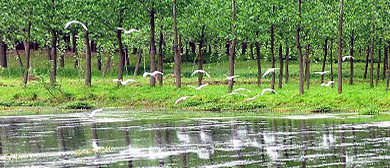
point(71, 92)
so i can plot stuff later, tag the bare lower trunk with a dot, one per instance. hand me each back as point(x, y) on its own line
point(107, 67)
point(99, 61)
point(3, 53)
point(232, 47)
point(27, 53)
point(138, 62)
point(307, 66)
point(325, 55)
point(287, 57)
point(385, 62)
point(177, 69)
point(272, 56)
point(87, 59)
point(53, 60)
point(340, 72)
point(152, 48)
point(351, 51)
point(372, 59)
point(331, 61)
point(121, 64)
point(366, 67)
point(379, 62)
point(200, 75)
point(48, 50)
point(299, 49)
point(160, 57)
point(258, 63)
point(281, 66)
point(388, 69)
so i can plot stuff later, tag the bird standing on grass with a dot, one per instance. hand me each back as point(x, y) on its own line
point(123, 82)
point(269, 70)
point(200, 71)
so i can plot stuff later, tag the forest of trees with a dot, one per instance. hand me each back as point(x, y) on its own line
point(296, 27)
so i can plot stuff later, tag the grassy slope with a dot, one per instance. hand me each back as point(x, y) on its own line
point(357, 97)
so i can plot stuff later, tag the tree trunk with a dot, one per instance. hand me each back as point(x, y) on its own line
point(258, 64)
point(138, 62)
point(299, 49)
point(351, 51)
point(326, 54)
point(48, 50)
point(152, 48)
point(331, 61)
point(177, 69)
point(366, 67)
point(244, 46)
point(87, 59)
point(307, 66)
point(372, 59)
point(340, 70)
point(232, 47)
point(281, 66)
point(388, 68)
point(287, 57)
point(200, 75)
point(385, 61)
point(19, 60)
point(251, 52)
point(127, 56)
point(99, 61)
point(53, 60)
point(121, 65)
point(3, 53)
point(74, 43)
point(27, 52)
point(62, 60)
point(107, 66)
point(160, 56)
point(379, 62)
point(187, 51)
point(193, 46)
point(272, 56)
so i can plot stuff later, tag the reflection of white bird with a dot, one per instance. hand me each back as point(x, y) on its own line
point(200, 71)
point(200, 87)
point(180, 99)
point(267, 90)
point(235, 93)
point(327, 84)
point(95, 145)
point(123, 82)
point(127, 31)
point(321, 73)
point(269, 70)
point(93, 113)
point(75, 21)
point(347, 57)
point(242, 89)
point(152, 74)
point(231, 77)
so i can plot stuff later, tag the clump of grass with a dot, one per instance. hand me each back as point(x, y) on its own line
point(80, 105)
point(324, 108)
point(369, 110)
point(19, 103)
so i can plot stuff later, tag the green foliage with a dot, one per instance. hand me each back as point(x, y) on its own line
point(80, 105)
point(369, 110)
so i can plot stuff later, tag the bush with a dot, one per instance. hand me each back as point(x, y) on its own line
point(370, 110)
point(80, 105)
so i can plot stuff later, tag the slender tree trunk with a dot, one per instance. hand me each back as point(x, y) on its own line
point(273, 55)
point(48, 50)
point(53, 60)
point(107, 66)
point(19, 60)
point(27, 52)
point(232, 47)
point(62, 60)
point(127, 56)
point(385, 61)
point(200, 75)
point(351, 51)
point(307, 66)
point(366, 67)
point(388, 69)
point(122, 60)
point(177, 69)
point(99, 61)
point(281, 66)
point(379, 62)
point(331, 61)
point(152, 48)
point(340, 73)
point(372, 59)
point(325, 55)
point(160, 56)
point(87, 59)
point(258, 64)
point(299, 49)
point(251, 52)
point(3, 53)
point(187, 51)
point(138, 62)
point(287, 57)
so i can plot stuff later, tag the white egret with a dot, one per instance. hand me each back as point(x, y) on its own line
point(200, 71)
point(127, 31)
point(152, 74)
point(75, 21)
point(235, 93)
point(242, 89)
point(327, 84)
point(123, 82)
point(231, 77)
point(267, 90)
point(269, 70)
point(321, 73)
point(181, 98)
point(93, 113)
point(347, 57)
point(252, 98)
point(200, 87)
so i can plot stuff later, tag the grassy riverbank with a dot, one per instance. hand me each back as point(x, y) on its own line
point(71, 93)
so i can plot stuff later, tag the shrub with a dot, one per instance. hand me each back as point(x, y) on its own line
point(80, 105)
